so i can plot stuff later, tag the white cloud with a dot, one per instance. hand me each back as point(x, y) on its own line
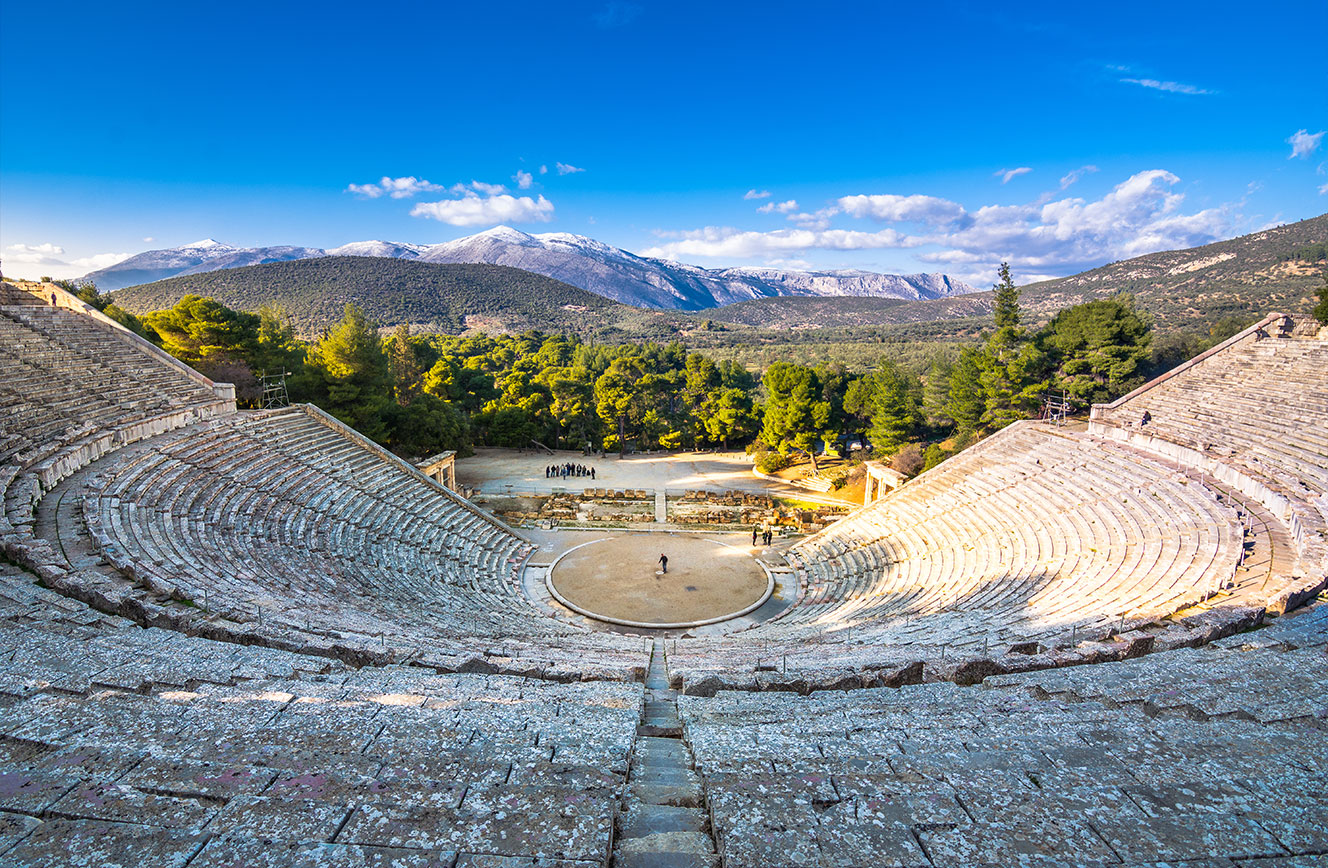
point(1140, 215)
point(397, 188)
point(473, 209)
point(1168, 86)
point(756, 194)
point(43, 260)
point(99, 261)
point(36, 254)
point(149, 239)
point(892, 208)
point(726, 241)
point(1006, 175)
point(1071, 177)
point(818, 219)
point(565, 169)
point(488, 189)
point(1047, 237)
point(544, 170)
point(523, 179)
point(779, 207)
point(791, 264)
point(1303, 143)
point(1323, 190)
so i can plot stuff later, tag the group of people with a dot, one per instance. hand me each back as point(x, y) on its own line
point(563, 471)
point(767, 535)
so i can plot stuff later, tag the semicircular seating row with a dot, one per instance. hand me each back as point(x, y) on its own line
point(1038, 535)
point(1031, 535)
point(284, 527)
point(1259, 407)
point(279, 518)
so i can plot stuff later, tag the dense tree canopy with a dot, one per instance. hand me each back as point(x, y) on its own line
point(420, 394)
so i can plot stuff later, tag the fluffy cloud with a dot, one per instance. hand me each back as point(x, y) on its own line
point(726, 241)
point(1168, 86)
point(892, 208)
point(397, 188)
point(1043, 238)
point(1303, 143)
point(37, 260)
point(472, 209)
point(779, 207)
point(1006, 175)
point(523, 179)
point(1323, 190)
point(756, 194)
point(486, 189)
point(818, 219)
point(35, 254)
point(565, 169)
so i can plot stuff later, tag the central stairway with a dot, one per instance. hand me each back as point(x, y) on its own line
point(663, 823)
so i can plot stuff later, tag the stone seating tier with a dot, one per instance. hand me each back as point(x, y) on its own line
point(1032, 536)
point(128, 747)
point(1208, 755)
point(280, 523)
point(1251, 412)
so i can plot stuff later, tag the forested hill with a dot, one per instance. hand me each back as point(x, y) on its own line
point(436, 297)
point(1272, 270)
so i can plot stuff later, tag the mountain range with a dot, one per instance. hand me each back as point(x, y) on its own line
point(573, 259)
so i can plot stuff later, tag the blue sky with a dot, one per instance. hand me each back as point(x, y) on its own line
point(888, 137)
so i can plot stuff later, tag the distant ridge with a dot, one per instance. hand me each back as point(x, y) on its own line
point(439, 297)
point(1246, 277)
point(573, 259)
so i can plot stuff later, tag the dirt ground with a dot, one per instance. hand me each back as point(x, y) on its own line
point(499, 471)
point(618, 576)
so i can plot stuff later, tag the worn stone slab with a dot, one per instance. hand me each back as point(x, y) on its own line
point(191, 777)
point(852, 838)
point(755, 846)
point(15, 827)
point(1191, 835)
point(574, 834)
point(98, 844)
point(234, 851)
point(488, 860)
point(278, 819)
point(1019, 840)
point(123, 803)
point(33, 792)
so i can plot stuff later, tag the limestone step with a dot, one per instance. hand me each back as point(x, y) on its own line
point(667, 850)
point(640, 820)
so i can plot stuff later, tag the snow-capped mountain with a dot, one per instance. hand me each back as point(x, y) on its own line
point(391, 249)
point(622, 276)
point(582, 262)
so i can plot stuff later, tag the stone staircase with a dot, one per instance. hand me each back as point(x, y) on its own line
point(663, 823)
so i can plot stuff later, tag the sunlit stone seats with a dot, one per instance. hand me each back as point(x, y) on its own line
point(1031, 536)
point(1250, 413)
point(281, 520)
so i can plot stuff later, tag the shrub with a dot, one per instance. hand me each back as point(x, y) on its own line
point(933, 455)
point(769, 462)
point(908, 460)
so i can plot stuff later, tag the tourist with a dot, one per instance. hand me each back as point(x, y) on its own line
point(663, 563)
point(1148, 417)
point(754, 529)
